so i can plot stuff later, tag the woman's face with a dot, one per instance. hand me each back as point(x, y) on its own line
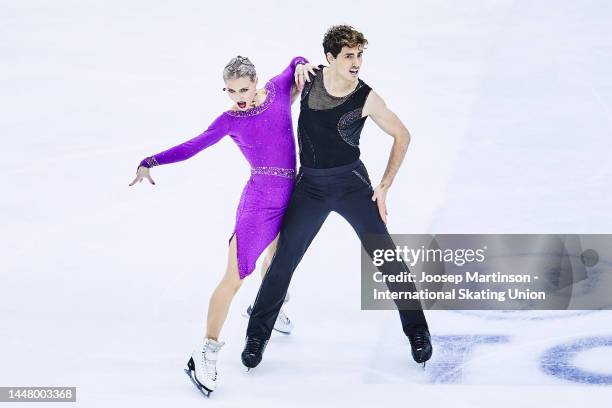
point(241, 91)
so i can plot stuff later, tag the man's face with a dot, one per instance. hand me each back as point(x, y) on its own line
point(348, 62)
point(241, 91)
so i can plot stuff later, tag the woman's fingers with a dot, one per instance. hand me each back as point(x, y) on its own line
point(305, 73)
point(141, 173)
point(296, 74)
point(311, 69)
point(138, 179)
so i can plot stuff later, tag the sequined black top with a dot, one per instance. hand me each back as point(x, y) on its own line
point(329, 127)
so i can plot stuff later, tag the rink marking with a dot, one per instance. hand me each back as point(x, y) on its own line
point(557, 361)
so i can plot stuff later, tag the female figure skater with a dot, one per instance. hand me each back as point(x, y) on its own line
point(260, 124)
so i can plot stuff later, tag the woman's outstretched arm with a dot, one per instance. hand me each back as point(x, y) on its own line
point(215, 132)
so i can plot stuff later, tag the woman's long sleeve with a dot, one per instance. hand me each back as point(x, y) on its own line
point(215, 132)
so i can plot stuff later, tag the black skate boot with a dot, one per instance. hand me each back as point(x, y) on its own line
point(253, 351)
point(420, 342)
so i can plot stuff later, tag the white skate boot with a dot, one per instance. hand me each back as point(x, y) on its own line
point(202, 366)
point(283, 324)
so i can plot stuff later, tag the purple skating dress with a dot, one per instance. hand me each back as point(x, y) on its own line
point(264, 134)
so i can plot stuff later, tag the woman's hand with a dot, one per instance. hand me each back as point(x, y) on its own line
point(301, 74)
point(141, 173)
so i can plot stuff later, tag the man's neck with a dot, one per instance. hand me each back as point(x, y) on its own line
point(336, 85)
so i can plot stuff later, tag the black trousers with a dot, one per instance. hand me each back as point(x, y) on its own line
point(346, 190)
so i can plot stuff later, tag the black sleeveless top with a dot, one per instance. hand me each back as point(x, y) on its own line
point(329, 127)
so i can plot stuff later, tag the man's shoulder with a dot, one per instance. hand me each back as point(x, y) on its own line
point(364, 84)
point(373, 103)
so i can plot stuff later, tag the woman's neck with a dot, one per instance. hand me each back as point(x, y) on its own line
point(260, 97)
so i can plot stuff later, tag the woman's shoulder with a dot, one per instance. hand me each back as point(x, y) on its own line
point(223, 121)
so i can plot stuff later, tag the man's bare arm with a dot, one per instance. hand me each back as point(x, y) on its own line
point(388, 121)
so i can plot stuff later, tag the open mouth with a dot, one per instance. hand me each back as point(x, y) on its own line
point(241, 105)
point(354, 71)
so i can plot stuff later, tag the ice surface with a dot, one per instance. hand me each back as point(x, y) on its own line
point(105, 286)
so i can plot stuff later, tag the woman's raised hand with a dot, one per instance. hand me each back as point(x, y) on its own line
point(301, 74)
point(141, 173)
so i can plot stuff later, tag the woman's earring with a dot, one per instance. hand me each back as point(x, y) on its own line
point(224, 89)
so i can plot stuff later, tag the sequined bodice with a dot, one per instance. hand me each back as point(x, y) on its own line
point(264, 133)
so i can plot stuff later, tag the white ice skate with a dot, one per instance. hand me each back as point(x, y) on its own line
point(283, 324)
point(202, 366)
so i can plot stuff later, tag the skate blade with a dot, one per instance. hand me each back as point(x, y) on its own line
point(206, 392)
point(286, 333)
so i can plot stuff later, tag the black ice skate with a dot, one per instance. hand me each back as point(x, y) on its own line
point(253, 351)
point(420, 342)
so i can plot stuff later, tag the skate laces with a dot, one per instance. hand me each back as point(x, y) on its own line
point(209, 357)
point(283, 317)
point(210, 366)
point(418, 339)
point(253, 344)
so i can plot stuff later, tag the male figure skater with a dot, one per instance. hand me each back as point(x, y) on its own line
point(334, 107)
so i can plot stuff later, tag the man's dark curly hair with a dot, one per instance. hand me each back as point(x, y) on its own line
point(339, 36)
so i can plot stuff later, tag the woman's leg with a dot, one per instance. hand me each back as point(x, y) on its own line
point(223, 295)
point(268, 258)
